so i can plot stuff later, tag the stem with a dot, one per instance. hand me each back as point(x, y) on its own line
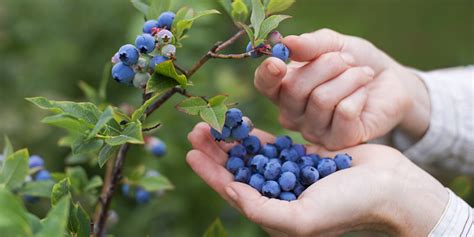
point(114, 173)
point(229, 56)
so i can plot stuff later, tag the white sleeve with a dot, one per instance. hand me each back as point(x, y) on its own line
point(457, 219)
point(449, 142)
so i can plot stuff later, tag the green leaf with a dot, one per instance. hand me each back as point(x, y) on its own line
point(184, 24)
point(239, 12)
point(214, 116)
point(35, 223)
point(60, 190)
point(157, 7)
point(182, 14)
point(105, 80)
point(89, 92)
point(217, 100)
point(257, 17)
point(120, 116)
point(106, 153)
point(94, 183)
point(159, 84)
point(270, 24)
point(79, 221)
point(54, 225)
point(37, 188)
point(137, 114)
point(216, 229)
point(106, 116)
point(85, 111)
point(13, 216)
point(78, 177)
point(275, 6)
point(7, 147)
point(192, 105)
point(155, 183)
point(131, 134)
point(248, 31)
point(167, 69)
point(67, 122)
point(15, 169)
point(227, 5)
point(81, 146)
point(140, 6)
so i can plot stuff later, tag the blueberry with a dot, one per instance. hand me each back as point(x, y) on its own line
point(305, 161)
point(233, 164)
point(274, 37)
point(238, 151)
point(35, 161)
point(240, 131)
point(233, 117)
point(287, 181)
point(343, 161)
point(145, 43)
point(220, 136)
point(122, 73)
point(299, 188)
point(243, 175)
point(289, 154)
point(326, 167)
point(256, 181)
point(283, 142)
point(42, 175)
point(281, 51)
point(125, 189)
point(128, 54)
point(149, 25)
point(255, 53)
point(164, 37)
point(287, 196)
point(142, 196)
point(141, 79)
point(157, 60)
point(290, 166)
point(168, 50)
point(271, 189)
point(272, 170)
point(156, 146)
point(316, 158)
point(300, 149)
point(165, 20)
point(309, 175)
point(257, 163)
point(269, 150)
point(252, 144)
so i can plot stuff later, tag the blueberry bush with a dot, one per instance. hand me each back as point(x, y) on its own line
point(100, 132)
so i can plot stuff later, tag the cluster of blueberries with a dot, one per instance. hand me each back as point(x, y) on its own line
point(37, 173)
point(280, 170)
point(236, 127)
point(273, 46)
point(134, 64)
point(141, 195)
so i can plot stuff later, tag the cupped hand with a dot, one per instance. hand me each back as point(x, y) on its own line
point(340, 90)
point(383, 191)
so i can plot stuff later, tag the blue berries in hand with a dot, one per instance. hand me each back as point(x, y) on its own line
point(326, 167)
point(272, 170)
point(287, 196)
point(128, 54)
point(271, 189)
point(281, 51)
point(257, 163)
point(290, 166)
point(165, 20)
point(283, 142)
point(309, 175)
point(252, 144)
point(257, 181)
point(343, 161)
point(233, 117)
point(269, 150)
point(243, 175)
point(145, 43)
point(289, 154)
point(238, 151)
point(234, 164)
point(287, 181)
point(240, 132)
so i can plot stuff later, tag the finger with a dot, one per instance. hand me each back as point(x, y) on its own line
point(201, 139)
point(272, 213)
point(324, 98)
point(268, 77)
point(347, 126)
point(296, 89)
point(310, 46)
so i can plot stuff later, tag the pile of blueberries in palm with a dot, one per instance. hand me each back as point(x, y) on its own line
point(273, 46)
point(281, 170)
point(134, 64)
point(37, 173)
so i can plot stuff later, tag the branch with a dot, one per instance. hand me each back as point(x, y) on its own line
point(151, 128)
point(229, 56)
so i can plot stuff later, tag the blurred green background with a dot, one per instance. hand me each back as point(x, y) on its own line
point(48, 46)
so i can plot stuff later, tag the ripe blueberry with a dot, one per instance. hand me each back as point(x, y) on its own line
point(287, 181)
point(257, 163)
point(252, 144)
point(165, 20)
point(149, 25)
point(156, 146)
point(238, 151)
point(316, 158)
point(281, 51)
point(343, 161)
point(233, 164)
point(305, 161)
point(271, 189)
point(254, 53)
point(257, 181)
point(233, 117)
point(122, 73)
point(289, 154)
point(35, 161)
point(299, 188)
point(243, 175)
point(240, 131)
point(272, 170)
point(326, 167)
point(142, 196)
point(300, 148)
point(309, 175)
point(283, 142)
point(157, 60)
point(290, 166)
point(269, 150)
point(42, 175)
point(145, 43)
point(287, 196)
point(220, 136)
point(128, 54)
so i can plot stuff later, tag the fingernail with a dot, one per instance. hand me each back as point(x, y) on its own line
point(231, 193)
point(273, 69)
point(370, 72)
point(348, 58)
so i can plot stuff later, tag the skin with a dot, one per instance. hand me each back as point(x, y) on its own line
point(341, 90)
point(383, 191)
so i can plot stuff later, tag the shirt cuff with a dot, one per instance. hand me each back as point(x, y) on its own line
point(457, 219)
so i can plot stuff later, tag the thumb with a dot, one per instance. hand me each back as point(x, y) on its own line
point(310, 46)
point(268, 77)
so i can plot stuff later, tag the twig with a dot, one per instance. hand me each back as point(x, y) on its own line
point(229, 56)
point(151, 128)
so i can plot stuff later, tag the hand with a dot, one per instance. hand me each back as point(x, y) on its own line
point(340, 90)
point(383, 191)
